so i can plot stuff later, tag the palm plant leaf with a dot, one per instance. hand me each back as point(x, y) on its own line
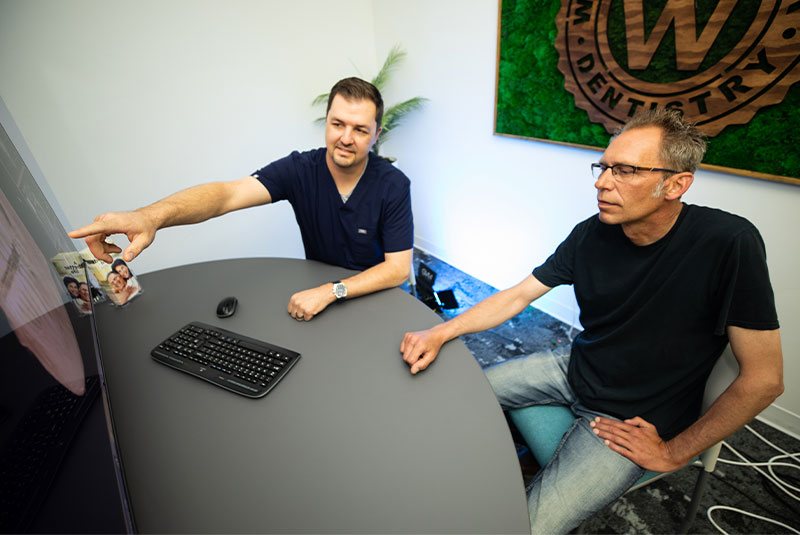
point(320, 99)
point(394, 115)
point(393, 60)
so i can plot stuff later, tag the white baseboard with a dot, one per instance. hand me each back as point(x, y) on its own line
point(781, 419)
point(426, 247)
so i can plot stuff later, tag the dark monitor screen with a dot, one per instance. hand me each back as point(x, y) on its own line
point(59, 472)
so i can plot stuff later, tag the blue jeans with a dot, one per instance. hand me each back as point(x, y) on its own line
point(584, 474)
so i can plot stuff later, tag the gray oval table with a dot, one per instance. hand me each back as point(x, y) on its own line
point(348, 442)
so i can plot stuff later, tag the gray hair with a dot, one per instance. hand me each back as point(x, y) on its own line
point(682, 144)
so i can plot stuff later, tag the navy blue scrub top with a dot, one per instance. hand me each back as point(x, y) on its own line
point(375, 220)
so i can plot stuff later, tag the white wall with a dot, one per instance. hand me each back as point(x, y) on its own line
point(124, 103)
point(496, 207)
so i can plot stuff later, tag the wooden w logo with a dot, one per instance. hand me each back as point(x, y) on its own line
point(690, 48)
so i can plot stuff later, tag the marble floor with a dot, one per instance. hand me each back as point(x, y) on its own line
point(660, 506)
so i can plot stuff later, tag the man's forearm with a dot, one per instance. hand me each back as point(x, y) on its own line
point(494, 310)
point(305, 305)
point(192, 205)
point(760, 381)
point(390, 273)
point(420, 348)
point(738, 405)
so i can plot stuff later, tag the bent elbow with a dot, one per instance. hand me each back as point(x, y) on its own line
point(777, 389)
point(770, 390)
point(400, 277)
point(400, 273)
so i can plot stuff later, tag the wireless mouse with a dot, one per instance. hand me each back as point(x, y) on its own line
point(227, 307)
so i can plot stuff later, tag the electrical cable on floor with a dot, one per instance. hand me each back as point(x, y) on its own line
point(778, 496)
point(771, 476)
point(781, 484)
point(769, 488)
point(739, 511)
point(761, 506)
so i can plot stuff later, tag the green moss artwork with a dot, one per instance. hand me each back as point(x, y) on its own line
point(532, 102)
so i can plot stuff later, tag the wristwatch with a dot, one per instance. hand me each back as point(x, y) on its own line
point(339, 291)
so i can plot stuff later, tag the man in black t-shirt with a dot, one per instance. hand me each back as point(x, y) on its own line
point(663, 287)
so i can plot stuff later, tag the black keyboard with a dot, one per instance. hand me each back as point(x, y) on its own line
point(237, 363)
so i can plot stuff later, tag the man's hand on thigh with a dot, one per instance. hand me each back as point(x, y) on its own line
point(638, 440)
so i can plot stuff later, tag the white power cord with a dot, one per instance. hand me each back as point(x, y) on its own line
point(726, 508)
point(771, 476)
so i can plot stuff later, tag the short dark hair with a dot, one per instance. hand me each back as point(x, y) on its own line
point(68, 280)
point(357, 89)
point(682, 144)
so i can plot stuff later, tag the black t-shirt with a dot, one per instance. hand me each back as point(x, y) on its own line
point(655, 317)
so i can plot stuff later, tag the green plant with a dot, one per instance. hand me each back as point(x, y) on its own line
point(394, 115)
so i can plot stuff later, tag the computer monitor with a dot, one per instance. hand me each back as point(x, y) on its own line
point(59, 468)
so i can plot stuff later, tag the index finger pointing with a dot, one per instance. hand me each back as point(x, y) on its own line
point(96, 227)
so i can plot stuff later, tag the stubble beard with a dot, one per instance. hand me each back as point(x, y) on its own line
point(343, 162)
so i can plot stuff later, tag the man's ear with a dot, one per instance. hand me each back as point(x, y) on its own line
point(677, 185)
point(375, 138)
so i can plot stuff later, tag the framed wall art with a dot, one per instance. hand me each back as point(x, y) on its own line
point(572, 71)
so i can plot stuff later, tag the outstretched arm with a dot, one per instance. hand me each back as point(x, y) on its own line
point(393, 271)
point(759, 382)
point(420, 348)
point(185, 207)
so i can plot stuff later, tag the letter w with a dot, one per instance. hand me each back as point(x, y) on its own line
point(690, 49)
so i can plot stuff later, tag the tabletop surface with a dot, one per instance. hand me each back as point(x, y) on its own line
point(349, 441)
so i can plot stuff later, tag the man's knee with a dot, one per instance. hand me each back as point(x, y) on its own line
point(507, 382)
point(536, 379)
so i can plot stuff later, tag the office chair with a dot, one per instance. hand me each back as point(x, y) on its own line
point(543, 427)
point(412, 277)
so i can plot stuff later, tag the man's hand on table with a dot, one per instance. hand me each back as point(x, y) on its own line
point(305, 305)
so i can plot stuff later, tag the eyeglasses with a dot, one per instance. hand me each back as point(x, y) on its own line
point(623, 172)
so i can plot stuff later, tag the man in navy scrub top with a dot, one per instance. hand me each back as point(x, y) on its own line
point(352, 206)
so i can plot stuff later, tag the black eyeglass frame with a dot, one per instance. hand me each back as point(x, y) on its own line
point(616, 169)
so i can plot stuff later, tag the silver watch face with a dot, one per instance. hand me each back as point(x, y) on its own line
point(339, 290)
